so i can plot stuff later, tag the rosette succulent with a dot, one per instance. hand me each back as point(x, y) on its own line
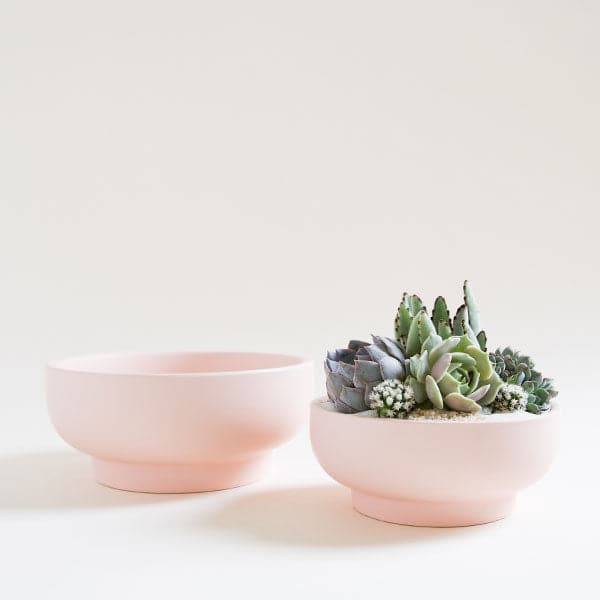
point(453, 373)
point(353, 372)
point(518, 369)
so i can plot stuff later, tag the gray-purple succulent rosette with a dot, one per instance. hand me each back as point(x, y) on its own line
point(435, 362)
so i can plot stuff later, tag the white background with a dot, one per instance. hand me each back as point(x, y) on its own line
point(271, 176)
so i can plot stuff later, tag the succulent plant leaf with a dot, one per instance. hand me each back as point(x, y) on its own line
point(448, 384)
point(414, 362)
point(461, 317)
point(426, 327)
point(390, 368)
point(471, 334)
point(355, 345)
point(419, 390)
point(533, 408)
point(441, 366)
point(352, 398)
point(389, 345)
point(365, 372)
point(423, 367)
point(484, 366)
point(472, 309)
point(413, 344)
point(479, 393)
point(403, 321)
point(444, 330)
point(482, 339)
point(461, 403)
point(464, 359)
point(495, 384)
point(431, 342)
point(447, 345)
point(433, 392)
point(463, 343)
point(415, 304)
point(440, 312)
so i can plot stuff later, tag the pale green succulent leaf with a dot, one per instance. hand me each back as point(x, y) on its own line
point(433, 392)
point(413, 344)
point(447, 345)
point(431, 342)
point(484, 366)
point(441, 366)
point(479, 393)
point(444, 329)
point(448, 384)
point(419, 390)
point(472, 309)
point(426, 327)
point(461, 403)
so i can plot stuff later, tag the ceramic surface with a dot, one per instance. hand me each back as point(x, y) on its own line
point(434, 473)
point(181, 422)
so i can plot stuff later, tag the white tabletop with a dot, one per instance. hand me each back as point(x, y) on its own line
point(293, 535)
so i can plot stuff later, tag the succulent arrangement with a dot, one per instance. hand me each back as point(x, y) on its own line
point(434, 362)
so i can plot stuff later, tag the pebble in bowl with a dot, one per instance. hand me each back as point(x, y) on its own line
point(428, 428)
point(179, 422)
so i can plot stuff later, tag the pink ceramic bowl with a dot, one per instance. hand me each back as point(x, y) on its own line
point(438, 474)
point(180, 422)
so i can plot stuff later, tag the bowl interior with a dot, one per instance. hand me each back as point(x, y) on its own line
point(178, 363)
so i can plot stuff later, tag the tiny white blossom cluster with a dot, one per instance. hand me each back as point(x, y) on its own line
point(510, 397)
point(392, 398)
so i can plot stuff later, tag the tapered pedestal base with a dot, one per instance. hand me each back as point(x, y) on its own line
point(176, 479)
point(432, 514)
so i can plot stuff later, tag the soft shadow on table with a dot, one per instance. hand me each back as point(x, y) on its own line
point(60, 480)
point(320, 515)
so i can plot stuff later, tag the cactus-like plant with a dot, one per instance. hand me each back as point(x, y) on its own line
point(454, 373)
point(353, 372)
point(510, 398)
point(392, 398)
point(518, 369)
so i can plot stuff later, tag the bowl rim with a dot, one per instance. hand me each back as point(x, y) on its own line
point(62, 364)
point(554, 412)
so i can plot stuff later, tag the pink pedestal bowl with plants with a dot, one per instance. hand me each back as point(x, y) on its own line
point(180, 422)
point(428, 427)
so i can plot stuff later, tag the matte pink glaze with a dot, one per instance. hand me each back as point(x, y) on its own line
point(437, 474)
point(179, 422)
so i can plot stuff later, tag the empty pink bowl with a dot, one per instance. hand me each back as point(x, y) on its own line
point(434, 473)
point(179, 422)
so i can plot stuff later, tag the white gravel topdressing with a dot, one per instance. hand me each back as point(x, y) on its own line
point(432, 414)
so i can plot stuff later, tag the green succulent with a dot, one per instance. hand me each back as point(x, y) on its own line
point(518, 369)
point(454, 372)
point(352, 372)
point(413, 325)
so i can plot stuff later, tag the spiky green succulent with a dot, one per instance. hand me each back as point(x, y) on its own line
point(413, 325)
point(352, 372)
point(453, 373)
point(518, 369)
point(392, 399)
